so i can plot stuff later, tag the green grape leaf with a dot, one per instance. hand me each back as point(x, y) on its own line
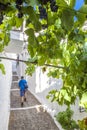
point(83, 101)
point(30, 69)
point(33, 3)
point(58, 23)
point(51, 18)
point(85, 1)
point(72, 3)
point(37, 25)
point(34, 18)
point(6, 39)
point(30, 50)
point(2, 68)
point(81, 18)
point(18, 21)
point(67, 22)
point(83, 9)
point(41, 60)
point(62, 2)
point(31, 38)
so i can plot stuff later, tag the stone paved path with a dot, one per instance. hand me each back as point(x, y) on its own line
point(32, 116)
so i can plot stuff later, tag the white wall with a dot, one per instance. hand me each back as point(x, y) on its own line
point(21, 66)
point(40, 85)
point(5, 84)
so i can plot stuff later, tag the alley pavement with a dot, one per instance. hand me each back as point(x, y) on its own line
point(32, 116)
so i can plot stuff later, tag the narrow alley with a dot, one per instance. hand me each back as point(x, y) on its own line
point(32, 116)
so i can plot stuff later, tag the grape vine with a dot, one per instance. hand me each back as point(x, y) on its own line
point(50, 45)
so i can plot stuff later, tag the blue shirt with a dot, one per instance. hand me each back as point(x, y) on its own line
point(22, 83)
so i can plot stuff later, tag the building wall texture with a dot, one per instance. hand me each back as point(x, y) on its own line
point(5, 84)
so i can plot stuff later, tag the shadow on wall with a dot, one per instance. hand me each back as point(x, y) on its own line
point(50, 85)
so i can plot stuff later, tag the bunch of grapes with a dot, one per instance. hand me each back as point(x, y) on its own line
point(44, 1)
point(43, 13)
point(53, 6)
point(19, 2)
point(2, 7)
point(18, 6)
point(1, 18)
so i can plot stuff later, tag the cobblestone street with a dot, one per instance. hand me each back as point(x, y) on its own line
point(32, 116)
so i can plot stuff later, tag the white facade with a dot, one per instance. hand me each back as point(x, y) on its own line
point(5, 84)
point(15, 47)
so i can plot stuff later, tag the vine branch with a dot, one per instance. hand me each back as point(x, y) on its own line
point(18, 60)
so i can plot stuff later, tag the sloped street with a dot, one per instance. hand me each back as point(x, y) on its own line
point(32, 116)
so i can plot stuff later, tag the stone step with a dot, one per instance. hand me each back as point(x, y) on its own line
point(14, 85)
point(15, 78)
point(14, 73)
point(32, 116)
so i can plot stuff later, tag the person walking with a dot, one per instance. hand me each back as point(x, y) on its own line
point(23, 88)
